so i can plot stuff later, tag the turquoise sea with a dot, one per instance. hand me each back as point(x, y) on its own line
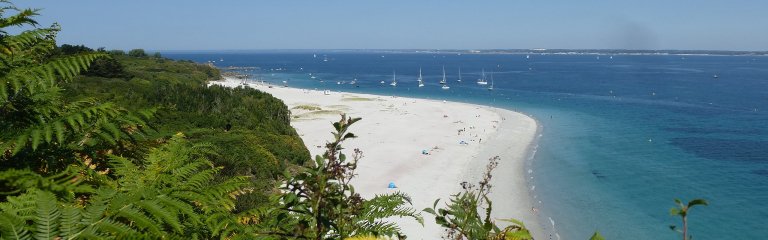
point(622, 135)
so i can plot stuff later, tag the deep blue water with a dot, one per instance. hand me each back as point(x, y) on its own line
point(622, 137)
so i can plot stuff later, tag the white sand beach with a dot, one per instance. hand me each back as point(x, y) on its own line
point(393, 133)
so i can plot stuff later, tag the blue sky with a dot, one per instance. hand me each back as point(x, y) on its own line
point(407, 24)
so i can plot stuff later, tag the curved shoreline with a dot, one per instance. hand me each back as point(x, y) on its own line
point(395, 130)
point(512, 171)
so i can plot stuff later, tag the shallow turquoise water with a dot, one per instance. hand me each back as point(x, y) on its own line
point(622, 137)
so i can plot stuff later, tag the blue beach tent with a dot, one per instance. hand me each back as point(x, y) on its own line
point(391, 185)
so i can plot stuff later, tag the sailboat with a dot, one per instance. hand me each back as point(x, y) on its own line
point(459, 80)
point(482, 81)
point(490, 88)
point(443, 81)
point(445, 86)
point(394, 79)
point(421, 80)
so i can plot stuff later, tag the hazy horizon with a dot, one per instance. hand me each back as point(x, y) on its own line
point(441, 49)
point(430, 24)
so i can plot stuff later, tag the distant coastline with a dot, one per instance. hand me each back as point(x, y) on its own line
point(538, 51)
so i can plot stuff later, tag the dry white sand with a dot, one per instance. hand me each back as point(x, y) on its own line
point(394, 131)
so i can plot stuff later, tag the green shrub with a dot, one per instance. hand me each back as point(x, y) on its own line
point(137, 53)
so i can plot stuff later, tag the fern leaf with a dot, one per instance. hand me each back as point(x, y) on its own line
point(36, 136)
point(47, 218)
point(185, 208)
point(58, 128)
point(199, 179)
point(98, 206)
point(115, 227)
point(48, 133)
point(161, 214)
point(139, 219)
point(70, 221)
point(21, 142)
point(186, 171)
point(106, 137)
point(13, 227)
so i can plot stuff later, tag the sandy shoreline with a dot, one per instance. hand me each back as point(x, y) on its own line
point(395, 131)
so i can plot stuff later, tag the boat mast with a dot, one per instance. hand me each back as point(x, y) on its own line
point(420, 78)
point(443, 74)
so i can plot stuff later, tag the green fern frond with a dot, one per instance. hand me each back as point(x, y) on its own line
point(182, 207)
point(47, 217)
point(64, 182)
point(161, 214)
point(122, 166)
point(390, 205)
point(84, 117)
point(115, 227)
point(22, 206)
point(70, 221)
point(377, 228)
point(23, 17)
point(58, 128)
point(200, 179)
point(41, 77)
point(192, 196)
point(188, 170)
point(137, 218)
point(98, 206)
point(13, 227)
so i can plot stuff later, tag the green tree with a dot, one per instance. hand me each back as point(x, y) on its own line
point(138, 52)
point(116, 52)
point(106, 67)
point(682, 211)
point(67, 49)
point(157, 55)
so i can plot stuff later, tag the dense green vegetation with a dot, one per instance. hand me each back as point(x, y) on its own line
point(260, 142)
